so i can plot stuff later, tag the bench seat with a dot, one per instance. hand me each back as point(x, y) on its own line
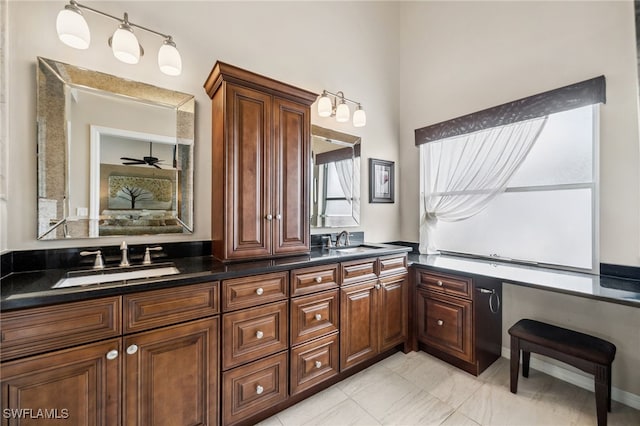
point(588, 353)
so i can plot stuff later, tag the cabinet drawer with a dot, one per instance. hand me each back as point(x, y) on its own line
point(311, 280)
point(395, 264)
point(314, 316)
point(31, 331)
point(445, 324)
point(249, 389)
point(358, 270)
point(314, 362)
point(447, 284)
point(253, 333)
point(246, 292)
point(157, 308)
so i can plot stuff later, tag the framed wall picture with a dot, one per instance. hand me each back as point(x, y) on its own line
point(381, 181)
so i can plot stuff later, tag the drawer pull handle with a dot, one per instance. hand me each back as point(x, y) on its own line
point(259, 291)
point(440, 322)
point(259, 334)
point(259, 389)
point(318, 317)
point(318, 279)
point(318, 364)
point(112, 354)
point(132, 349)
point(439, 283)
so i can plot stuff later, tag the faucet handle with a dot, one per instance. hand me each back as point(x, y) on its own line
point(147, 255)
point(327, 238)
point(99, 262)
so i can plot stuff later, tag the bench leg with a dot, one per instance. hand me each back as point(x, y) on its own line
point(609, 390)
point(515, 363)
point(602, 394)
point(526, 356)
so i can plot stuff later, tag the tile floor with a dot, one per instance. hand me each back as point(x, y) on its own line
point(418, 389)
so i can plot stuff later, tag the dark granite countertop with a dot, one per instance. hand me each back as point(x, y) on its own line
point(600, 287)
point(35, 288)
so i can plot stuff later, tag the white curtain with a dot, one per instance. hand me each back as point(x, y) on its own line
point(349, 177)
point(461, 175)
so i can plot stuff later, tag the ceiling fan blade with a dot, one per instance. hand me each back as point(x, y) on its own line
point(131, 159)
point(156, 166)
point(134, 163)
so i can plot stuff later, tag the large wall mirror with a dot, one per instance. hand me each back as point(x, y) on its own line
point(115, 157)
point(335, 190)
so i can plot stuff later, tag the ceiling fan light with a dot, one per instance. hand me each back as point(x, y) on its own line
point(124, 44)
point(169, 59)
point(72, 28)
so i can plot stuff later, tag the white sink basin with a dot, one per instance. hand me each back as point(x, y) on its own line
point(355, 249)
point(98, 277)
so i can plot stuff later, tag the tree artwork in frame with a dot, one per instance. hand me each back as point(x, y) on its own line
point(381, 181)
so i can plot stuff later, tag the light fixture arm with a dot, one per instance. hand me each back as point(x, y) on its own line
point(339, 95)
point(115, 18)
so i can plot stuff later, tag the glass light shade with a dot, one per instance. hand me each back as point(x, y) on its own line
point(169, 59)
point(324, 106)
point(72, 28)
point(342, 113)
point(359, 118)
point(125, 45)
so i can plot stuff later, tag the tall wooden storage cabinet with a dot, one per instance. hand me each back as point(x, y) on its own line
point(260, 167)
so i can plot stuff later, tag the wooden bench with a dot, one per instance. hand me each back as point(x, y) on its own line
point(588, 353)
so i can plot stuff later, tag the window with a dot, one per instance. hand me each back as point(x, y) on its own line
point(547, 213)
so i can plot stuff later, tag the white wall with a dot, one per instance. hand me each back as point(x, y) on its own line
point(460, 57)
point(348, 46)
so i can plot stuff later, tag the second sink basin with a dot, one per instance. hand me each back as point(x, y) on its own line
point(354, 249)
point(81, 278)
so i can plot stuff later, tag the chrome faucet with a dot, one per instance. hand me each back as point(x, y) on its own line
point(147, 254)
point(346, 239)
point(125, 258)
point(99, 262)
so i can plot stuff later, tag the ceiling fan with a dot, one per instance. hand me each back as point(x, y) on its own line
point(150, 160)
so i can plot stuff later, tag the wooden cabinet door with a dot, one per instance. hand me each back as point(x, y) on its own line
point(358, 323)
point(78, 386)
point(290, 177)
point(392, 311)
point(248, 164)
point(171, 375)
point(445, 323)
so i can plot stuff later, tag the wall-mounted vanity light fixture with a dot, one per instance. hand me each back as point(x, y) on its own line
point(335, 105)
point(73, 31)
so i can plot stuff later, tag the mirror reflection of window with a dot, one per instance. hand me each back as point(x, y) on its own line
point(336, 179)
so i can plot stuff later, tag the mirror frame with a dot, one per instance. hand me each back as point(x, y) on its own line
point(56, 82)
point(344, 140)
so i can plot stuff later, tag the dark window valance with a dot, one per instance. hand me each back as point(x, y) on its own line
point(576, 95)
point(337, 155)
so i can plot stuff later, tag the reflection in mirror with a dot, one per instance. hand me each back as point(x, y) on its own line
point(115, 157)
point(336, 179)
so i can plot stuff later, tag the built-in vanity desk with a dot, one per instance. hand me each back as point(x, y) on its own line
point(241, 341)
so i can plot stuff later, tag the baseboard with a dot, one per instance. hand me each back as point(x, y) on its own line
point(585, 382)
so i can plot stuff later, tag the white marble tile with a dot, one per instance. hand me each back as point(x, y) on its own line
point(457, 419)
point(456, 387)
point(346, 413)
point(362, 380)
point(271, 421)
point(311, 407)
point(417, 408)
point(382, 395)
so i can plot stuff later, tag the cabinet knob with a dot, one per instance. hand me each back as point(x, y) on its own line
point(269, 216)
point(259, 334)
point(132, 349)
point(278, 216)
point(377, 286)
point(259, 291)
point(318, 364)
point(112, 354)
point(318, 279)
point(259, 389)
point(439, 283)
point(318, 317)
point(440, 322)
